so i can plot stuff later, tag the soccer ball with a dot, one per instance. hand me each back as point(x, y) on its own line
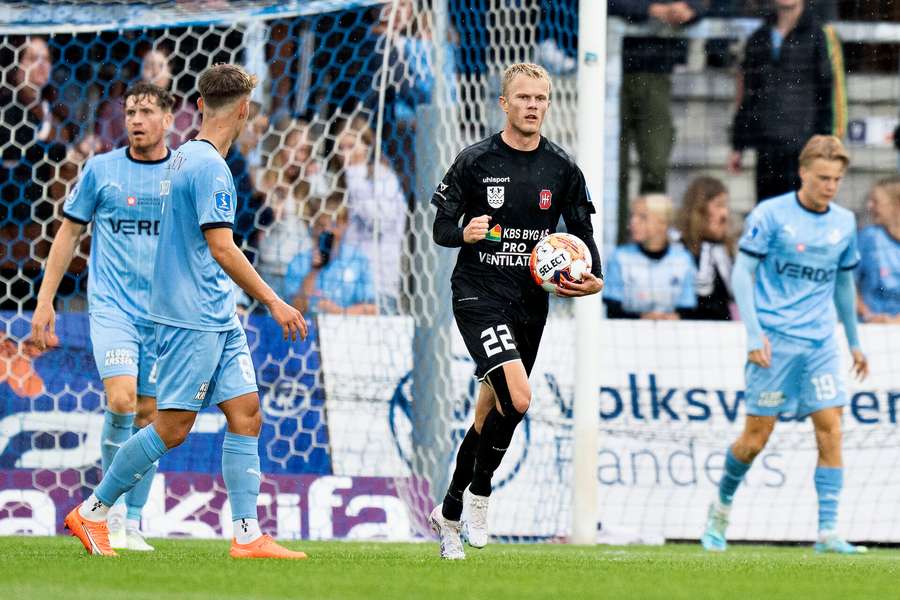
point(559, 256)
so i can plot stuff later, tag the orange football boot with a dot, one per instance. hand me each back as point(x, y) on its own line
point(263, 547)
point(94, 535)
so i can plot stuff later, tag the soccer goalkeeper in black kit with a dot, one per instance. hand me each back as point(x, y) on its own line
point(510, 190)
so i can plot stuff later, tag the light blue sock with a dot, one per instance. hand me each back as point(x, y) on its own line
point(240, 470)
point(829, 481)
point(116, 431)
point(731, 478)
point(137, 496)
point(131, 463)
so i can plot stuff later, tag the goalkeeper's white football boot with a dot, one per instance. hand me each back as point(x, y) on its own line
point(713, 538)
point(448, 532)
point(831, 542)
point(135, 540)
point(475, 528)
point(115, 521)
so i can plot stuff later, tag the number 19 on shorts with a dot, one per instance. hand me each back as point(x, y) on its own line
point(825, 386)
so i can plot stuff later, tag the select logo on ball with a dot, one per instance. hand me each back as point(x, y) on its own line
point(559, 256)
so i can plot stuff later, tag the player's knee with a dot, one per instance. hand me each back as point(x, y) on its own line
point(521, 400)
point(121, 401)
point(247, 420)
point(174, 435)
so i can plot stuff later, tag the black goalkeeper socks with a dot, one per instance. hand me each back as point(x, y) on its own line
point(462, 476)
point(496, 434)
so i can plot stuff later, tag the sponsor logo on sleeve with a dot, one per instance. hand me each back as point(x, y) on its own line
point(223, 200)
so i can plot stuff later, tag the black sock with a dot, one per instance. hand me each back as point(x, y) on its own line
point(462, 476)
point(496, 434)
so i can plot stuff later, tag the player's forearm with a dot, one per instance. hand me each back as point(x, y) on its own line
point(236, 265)
point(586, 234)
point(61, 252)
point(742, 283)
point(845, 303)
point(446, 230)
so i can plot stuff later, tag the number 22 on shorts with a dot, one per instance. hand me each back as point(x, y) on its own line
point(497, 339)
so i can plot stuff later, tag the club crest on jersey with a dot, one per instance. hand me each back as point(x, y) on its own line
point(545, 198)
point(131, 200)
point(834, 237)
point(223, 200)
point(495, 195)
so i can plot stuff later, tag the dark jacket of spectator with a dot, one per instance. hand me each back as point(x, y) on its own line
point(650, 54)
point(787, 98)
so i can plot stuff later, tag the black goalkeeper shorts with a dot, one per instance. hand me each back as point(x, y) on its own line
point(495, 333)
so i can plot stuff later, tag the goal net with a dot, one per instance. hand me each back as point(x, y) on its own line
point(362, 105)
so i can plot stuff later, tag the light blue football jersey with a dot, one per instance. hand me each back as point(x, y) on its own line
point(121, 196)
point(643, 284)
point(878, 275)
point(190, 289)
point(800, 253)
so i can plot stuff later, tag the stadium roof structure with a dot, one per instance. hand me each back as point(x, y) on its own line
point(54, 16)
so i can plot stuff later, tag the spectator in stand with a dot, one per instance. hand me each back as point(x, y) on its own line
point(293, 176)
point(784, 95)
point(334, 276)
point(411, 78)
point(155, 68)
point(878, 275)
point(704, 227)
point(645, 115)
point(29, 172)
point(652, 277)
point(377, 209)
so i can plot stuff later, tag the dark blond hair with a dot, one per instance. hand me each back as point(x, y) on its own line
point(694, 212)
point(826, 147)
point(891, 187)
point(222, 84)
point(528, 69)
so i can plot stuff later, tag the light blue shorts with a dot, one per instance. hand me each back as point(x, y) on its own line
point(123, 347)
point(805, 377)
point(199, 368)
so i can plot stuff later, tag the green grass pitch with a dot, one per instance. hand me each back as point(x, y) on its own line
point(56, 568)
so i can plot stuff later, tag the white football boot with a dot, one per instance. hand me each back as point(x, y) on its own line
point(115, 521)
point(475, 529)
point(448, 532)
point(135, 540)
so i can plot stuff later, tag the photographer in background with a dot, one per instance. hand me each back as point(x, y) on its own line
point(334, 277)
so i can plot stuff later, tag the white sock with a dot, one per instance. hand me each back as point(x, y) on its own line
point(93, 510)
point(246, 530)
point(723, 508)
point(133, 525)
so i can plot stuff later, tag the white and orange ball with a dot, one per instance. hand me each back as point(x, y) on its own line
point(559, 256)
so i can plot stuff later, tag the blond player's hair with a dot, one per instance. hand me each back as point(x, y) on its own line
point(891, 187)
point(826, 147)
point(222, 84)
point(528, 69)
point(659, 205)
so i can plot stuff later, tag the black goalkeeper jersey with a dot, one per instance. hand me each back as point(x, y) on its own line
point(525, 194)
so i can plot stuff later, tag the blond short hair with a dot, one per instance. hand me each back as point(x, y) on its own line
point(222, 84)
point(528, 69)
point(891, 187)
point(826, 147)
point(659, 205)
